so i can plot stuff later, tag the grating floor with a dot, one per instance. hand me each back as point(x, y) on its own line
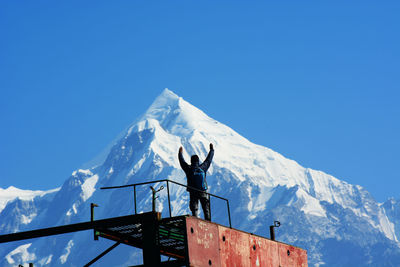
point(171, 235)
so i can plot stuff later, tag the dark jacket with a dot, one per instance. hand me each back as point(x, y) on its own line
point(189, 169)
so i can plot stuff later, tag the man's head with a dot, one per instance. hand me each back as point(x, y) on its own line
point(194, 160)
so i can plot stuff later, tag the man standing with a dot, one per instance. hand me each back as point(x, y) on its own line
point(196, 178)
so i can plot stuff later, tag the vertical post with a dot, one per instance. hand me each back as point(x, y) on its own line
point(134, 197)
point(154, 192)
point(169, 200)
point(153, 203)
point(209, 203)
point(151, 250)
point(272, 232)
point(229, 214)
point(92, 206)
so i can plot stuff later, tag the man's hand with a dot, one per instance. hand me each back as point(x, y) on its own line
point(211, 147)
point(180, 149)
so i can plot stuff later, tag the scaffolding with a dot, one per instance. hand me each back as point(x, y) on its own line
point(185, 240)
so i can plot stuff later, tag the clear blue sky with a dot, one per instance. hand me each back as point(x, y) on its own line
point(317, 81)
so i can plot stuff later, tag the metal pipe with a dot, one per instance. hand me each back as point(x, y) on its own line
point(164, 180)
point(229, 214)
point(209, 207)
point(155, 197)
point(169, 200)
point(153, 203)
point(134, 197)
point(92, 206)
point(272, 232)
point(102, 254)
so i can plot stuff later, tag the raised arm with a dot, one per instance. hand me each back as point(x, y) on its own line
point(182, 161)
point(207, 162)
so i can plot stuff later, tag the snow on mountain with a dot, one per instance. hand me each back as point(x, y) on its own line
point(23, 251)
point(338, 223)
point(11, 193)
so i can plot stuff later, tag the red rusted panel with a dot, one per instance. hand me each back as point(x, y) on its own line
point(234, 247)
point(263, 252)
point(203, 243)
point(290, 256)
point(210, 244)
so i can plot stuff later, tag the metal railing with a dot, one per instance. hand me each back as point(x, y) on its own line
point(169, 199)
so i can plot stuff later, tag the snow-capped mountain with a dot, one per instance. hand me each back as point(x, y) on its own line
point(338, 223)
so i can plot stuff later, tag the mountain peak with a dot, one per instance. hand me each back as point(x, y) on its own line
point(173, 114)
point(166, 98)
point(162, 106)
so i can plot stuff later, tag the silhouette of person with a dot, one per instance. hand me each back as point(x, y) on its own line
point(196, 178)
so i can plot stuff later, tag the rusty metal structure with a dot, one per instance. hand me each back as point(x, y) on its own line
point(184, 240)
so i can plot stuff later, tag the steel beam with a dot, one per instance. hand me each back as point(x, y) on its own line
point(102, 254)
point(144, 217)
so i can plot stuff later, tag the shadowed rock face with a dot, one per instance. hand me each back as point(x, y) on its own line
point(338, 223)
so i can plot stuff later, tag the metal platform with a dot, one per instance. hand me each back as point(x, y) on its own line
point(197, 243)
point(186, 240)
point(169, 235)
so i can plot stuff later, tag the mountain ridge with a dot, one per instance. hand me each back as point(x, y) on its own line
point(262, 185)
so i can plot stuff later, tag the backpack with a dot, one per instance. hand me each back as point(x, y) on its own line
point(199, 178)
